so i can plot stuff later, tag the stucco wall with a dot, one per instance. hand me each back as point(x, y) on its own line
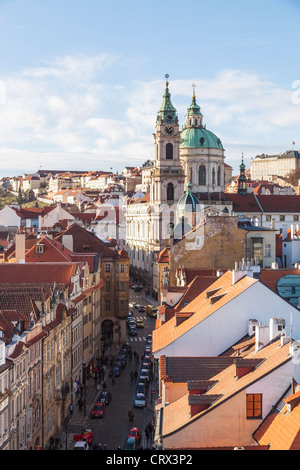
point(229, 324)
point(227, 425)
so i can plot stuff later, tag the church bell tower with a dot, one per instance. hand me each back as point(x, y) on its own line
point(168, 175)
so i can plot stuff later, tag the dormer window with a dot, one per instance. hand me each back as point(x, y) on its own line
point(39, 249)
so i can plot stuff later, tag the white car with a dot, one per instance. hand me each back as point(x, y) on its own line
point(81, 445)
point(140, 400)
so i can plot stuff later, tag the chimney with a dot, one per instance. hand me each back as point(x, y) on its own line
point(20, 247)
point(261, 336)
point(237, 275)
point(277, 327)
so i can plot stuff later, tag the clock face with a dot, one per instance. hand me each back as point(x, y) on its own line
point(169, 130)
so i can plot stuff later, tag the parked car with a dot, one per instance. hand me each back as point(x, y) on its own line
point(123, 352)
point(126, 346)
point(130, 314)
point(132, 332)
point(143, 380)
point(140, 400)
point(133, 286)
point(135, 432)
point(116, 371)
point(130, 444)
point(140, 324)
point(131, 323)
point(137, 289)
point(140, 388)
point(98, 410)
point(86, 436)
point(141, 308)
point(81, 445)
point(105, 398)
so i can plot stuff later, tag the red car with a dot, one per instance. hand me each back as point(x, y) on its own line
point(135, 432)
point(86, 435)
point(98, 410)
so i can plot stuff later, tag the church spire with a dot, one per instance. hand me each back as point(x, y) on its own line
point(167, 112)
point(242, 180)
point(194, 116)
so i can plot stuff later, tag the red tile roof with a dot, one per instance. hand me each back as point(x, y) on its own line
point(36, 273)
point(87, 242)
point(281, 429)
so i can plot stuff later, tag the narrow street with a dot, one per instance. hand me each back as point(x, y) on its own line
point(113, 428)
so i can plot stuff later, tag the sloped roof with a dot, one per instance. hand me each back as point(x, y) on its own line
point(36, 273)
point(281, 430)
point(87, 242)
point(270, 277)
point(202, 308)
point(177, 414)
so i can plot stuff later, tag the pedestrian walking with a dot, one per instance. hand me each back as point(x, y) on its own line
point(130, 415)
point(71, 409)
point(104, 386)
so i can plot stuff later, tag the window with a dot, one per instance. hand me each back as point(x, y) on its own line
point(107, 268)
point(107, 304)
point(282, 218)
point(254, 406)
point(39, 249)
point(268, 218)
point(122, 268)
point(267, 251)
point(170, 192)
point(169, 152)
point(202, 176)
point(296, 218)
point(213, 176)
point(107, 286)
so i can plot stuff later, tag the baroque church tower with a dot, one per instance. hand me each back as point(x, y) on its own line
point(167, 175)
point(201, 153)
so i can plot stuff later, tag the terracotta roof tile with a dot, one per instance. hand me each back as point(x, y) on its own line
point(281, 430)
point(202, 308)
point(177, 414)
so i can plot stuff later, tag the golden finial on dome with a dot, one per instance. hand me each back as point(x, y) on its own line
point(194, 94)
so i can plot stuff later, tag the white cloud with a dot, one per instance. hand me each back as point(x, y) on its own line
point(65, 109)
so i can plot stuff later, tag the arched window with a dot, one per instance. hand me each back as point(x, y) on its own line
point(169, 152)
point(170, 192)
point(219, 176)
point(202, 176)
point(213, 176)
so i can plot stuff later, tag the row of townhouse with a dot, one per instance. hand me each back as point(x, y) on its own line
point(226, 356)
point(36, 368)
point(61, 309)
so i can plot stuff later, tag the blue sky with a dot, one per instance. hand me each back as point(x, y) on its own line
point(81, 81)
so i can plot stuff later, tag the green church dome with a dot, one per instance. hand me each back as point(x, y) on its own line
point(188, 202)
point(195, 137)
